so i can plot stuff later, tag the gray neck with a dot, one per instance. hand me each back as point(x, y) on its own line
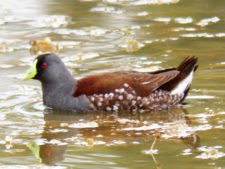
point(55, 92)
point(60, 96)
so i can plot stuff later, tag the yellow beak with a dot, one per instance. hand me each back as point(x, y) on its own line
point(31, 72)
point(35, 148)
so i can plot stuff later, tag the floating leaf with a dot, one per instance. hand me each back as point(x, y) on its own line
point(132, 45)
point(43, 46)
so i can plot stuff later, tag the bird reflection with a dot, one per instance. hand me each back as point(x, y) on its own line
point(62, 129)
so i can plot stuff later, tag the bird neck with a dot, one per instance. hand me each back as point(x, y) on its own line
point(61, 90)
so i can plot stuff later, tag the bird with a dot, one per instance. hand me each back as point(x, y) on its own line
point(111, 91)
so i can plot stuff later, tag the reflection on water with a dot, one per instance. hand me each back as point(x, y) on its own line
point(108, 130)
point(95, 36)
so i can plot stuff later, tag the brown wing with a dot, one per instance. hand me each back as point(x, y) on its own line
point(142, 83)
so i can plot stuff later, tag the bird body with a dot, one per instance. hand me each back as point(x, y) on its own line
point(113, 91)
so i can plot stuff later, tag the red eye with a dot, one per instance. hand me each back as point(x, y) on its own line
point(44, 65)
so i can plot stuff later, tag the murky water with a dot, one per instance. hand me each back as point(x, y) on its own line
point(94, 36)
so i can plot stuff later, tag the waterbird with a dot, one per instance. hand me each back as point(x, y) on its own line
point(111, 91)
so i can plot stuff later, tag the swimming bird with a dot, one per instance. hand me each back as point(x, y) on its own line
point(111, 91)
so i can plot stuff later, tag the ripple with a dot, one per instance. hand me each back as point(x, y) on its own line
point(21, 99)
point(40, 166)
point(50, 21)
point(220, 35)
point(184, 20)
point(75, 60)
point(55, 142)
point(200, 97)
point(132, 45)
point(89, 31)
point(187, 152)
point(154, 2)
point(200, 35)
point(163, 19)
point(116, 142)
point(210, 152)
point(84, 125)
point(190, 29)
point(107, 9)
point(143, 13)
point(10, 45)
point(144, 128)
point(177, 131)
point(105, 155)
point(151, 151)
point(141, 2)
point(204, 35)
point(12, 19)
point(207, 21)
point(161, 40)
point(68, 44)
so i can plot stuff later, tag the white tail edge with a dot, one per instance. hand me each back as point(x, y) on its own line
point(184, 84)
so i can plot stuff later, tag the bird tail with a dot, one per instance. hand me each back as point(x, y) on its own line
point(183, 81)
point(188, 64)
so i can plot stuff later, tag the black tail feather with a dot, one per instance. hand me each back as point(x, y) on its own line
point(186, 66)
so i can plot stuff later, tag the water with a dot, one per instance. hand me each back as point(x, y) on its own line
point(95, 36)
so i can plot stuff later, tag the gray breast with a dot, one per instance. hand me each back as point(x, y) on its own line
point(60, 97)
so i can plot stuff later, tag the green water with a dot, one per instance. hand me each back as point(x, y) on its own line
point(97, 36)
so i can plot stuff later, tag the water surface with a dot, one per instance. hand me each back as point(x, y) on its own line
point(98, 36)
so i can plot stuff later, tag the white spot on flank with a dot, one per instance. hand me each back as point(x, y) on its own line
point(183, 85)
point(99, 104)
point(101, 99)
point(126, 85)
point(108, 108)
point(130, 96)
point(144, 99)
point(111, 95)
point(133, 102)
point(115, 108)
point(120, 97)
point(106, 95)
point(121, 90)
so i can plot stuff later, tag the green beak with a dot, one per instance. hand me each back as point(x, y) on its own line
point(31, 72)
point(35, 148)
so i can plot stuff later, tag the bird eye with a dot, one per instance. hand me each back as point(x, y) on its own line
point(44, 65)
